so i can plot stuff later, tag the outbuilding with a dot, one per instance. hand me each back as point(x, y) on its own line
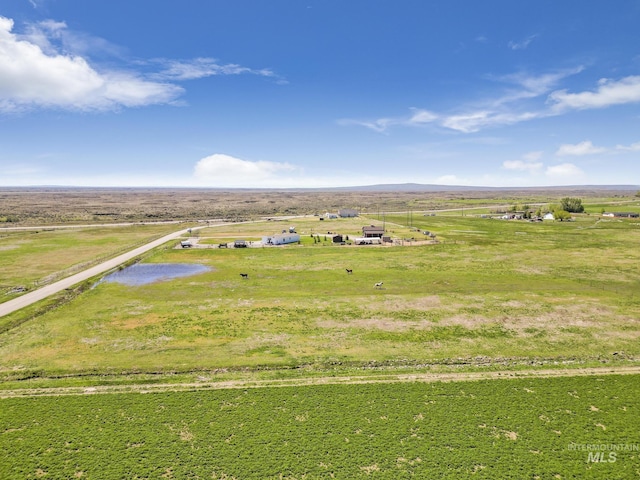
point(367, 241)
point(281, 239)
point(347, 212)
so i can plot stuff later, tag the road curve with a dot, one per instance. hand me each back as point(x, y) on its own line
point(28, 298)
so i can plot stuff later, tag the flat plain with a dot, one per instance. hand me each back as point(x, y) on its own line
point(485, 294)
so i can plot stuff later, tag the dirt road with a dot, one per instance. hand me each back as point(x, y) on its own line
point(310, 381)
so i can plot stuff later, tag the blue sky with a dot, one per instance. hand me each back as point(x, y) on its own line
point(319, 93)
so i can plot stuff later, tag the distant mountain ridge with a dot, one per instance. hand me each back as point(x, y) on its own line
point(389, 187)
point(421, 187)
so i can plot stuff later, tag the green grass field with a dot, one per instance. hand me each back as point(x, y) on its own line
point(31, 258)
point(487, 296)
point(491, 289)
point(506, 429)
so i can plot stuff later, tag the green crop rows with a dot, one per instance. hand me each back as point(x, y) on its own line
point(518, 428)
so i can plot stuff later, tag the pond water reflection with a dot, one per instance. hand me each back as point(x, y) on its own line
point(144, 273)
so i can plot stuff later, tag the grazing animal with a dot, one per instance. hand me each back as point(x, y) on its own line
point(349, 271)
point(244, 275)
point(378, 285)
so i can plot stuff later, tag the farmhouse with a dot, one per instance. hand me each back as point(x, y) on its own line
point(281, 239)
point(372, 231)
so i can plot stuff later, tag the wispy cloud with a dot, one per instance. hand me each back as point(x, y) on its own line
point(207, 67)
point(588, 148)
point(418, 117)
point(634, 147)
point(522, 44)
point(528, 97)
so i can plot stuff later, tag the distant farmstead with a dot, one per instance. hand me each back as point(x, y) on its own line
point(621, 214)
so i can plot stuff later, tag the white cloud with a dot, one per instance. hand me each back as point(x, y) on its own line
point(31, 77)
point(225, 170)
point(522, 165)
point(529, 163)
point(579, 149)
point(608, 93)
point(567, 171)
point(533, 156)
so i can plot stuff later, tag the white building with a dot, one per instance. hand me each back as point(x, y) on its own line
point(347, 212)
point(281, 239)
point(367, 241)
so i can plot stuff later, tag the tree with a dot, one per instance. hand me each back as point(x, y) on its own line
point(561, 215)
point(571, 204)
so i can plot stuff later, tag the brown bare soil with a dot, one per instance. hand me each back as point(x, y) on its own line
point(40, 206)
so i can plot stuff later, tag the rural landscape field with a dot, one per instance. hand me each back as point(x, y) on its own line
point(473, 343)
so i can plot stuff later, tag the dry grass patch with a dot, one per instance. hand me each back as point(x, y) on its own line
point(384, 324)
point(131, 323)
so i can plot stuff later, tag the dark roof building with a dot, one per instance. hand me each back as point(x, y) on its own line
point(371, 231)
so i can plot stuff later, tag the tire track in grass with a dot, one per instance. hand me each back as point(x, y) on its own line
point(311, 381)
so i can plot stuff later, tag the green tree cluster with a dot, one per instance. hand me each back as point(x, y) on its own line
point(571, 204)
point(561, 215)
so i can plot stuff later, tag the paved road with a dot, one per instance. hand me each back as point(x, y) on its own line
point(37, 295)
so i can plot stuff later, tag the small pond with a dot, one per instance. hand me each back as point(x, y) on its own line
point(143, 273)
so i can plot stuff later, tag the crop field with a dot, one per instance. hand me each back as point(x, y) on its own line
point(544, 428)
